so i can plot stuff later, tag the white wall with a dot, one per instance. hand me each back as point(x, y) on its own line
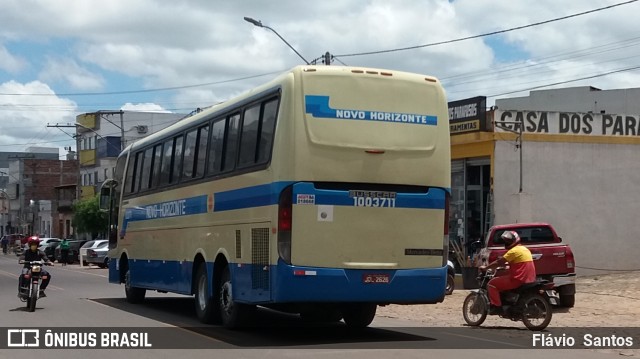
point(589, 192)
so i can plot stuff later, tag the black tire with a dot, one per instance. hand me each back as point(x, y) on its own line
point(567, 300)
point(232, 314)
point(536, 307)
point(450, 285)
point(31, 302)
point(359, 315)
point(475, 309)
point(134, 295)
point(207, 307)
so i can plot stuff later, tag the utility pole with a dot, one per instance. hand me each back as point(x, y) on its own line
point(327, 58)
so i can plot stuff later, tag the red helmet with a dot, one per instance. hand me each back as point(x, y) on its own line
point(33, 240)
point(510, 239)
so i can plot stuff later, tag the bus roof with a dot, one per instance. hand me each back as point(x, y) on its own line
point(248, 96)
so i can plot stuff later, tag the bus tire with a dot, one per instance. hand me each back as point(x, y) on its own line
point(359, 315)
point(207, 307)
point(232, 314)
point(134, 295)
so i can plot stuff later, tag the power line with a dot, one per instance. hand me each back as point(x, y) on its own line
point(568, 81)
point(144, 91)
point(489, 33)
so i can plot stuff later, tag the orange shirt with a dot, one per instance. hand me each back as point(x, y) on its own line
point(521, 265)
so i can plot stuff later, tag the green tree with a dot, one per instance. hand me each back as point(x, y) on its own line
point(88, 218)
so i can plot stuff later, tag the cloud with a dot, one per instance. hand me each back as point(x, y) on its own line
point(10, 63)
point(68, 71)
point(144, 107)
point(154, 44)
point(27, 109)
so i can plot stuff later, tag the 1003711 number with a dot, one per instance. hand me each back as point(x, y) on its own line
point(373, 202)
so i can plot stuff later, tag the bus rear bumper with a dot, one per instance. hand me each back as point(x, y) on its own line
point(402, 286)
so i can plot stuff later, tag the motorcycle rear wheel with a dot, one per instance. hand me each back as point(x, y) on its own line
point(536, 312)
point(475, 309)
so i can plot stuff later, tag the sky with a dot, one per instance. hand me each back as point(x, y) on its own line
point(62, 58)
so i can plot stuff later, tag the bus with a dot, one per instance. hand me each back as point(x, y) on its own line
point(324, 192)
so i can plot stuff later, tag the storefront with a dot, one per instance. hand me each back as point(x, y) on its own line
point(575, 170)
point(470, 212)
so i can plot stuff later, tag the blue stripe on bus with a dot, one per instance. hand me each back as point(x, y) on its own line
point(266, 195)
point(176, 208)
point(255, 196)
point(318, 106)
point(434, 199)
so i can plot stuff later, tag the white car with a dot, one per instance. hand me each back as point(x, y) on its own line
point(94, 244)
point(44, 242)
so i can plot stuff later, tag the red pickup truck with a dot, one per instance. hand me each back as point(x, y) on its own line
point(553, 259)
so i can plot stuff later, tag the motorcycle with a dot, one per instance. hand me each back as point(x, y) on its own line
point(529, 303)
point(31, 280)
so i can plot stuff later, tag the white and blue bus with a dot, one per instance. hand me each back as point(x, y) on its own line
point(324, 192)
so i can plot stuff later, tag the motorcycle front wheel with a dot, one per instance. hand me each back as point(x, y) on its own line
point(31, 302)
point(475, 309)
point(536, 312)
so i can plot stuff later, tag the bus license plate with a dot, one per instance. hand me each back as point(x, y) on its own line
point(375, 278)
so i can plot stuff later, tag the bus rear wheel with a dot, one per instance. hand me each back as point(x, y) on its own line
point(232, 314)
point(359, 315)
point(207, 307)
point(134, 295)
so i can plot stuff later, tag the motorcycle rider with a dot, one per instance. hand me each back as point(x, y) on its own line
point(521, 269)
point(34, 254)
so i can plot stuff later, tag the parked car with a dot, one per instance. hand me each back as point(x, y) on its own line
point(97, 254)
point(74, 250)
point(44, 242)
point(50, 250)
point(90, 245)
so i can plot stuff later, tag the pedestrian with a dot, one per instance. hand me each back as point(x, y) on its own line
point(5, 243)
point(64, 251)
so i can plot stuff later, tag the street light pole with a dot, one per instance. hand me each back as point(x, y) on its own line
point(259, 24)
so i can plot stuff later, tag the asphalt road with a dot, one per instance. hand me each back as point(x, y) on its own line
point(81, 300)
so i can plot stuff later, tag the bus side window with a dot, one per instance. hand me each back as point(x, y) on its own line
point(189, 153)
point(217, 145)
point(138, 172)
point(165, 169)
point(249, 137)
point(146, 169)
point(267, 129)
point(231, 143)
point(201, 153)
point(155, 171)
point(177, 160)
point(129, 179)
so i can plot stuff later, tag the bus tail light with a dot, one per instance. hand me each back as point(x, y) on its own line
point(445, 239)
point(285, 209)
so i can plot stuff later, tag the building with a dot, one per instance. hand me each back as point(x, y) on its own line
point(5, 175)
point(575, 166)
point(33, 199)
point(102, 135)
